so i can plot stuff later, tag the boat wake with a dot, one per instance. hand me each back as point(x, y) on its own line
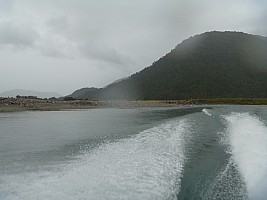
point(145, 166)
point(207, 112)
point(247, 138)
point(183, 158)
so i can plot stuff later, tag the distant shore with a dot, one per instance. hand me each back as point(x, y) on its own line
point(25, 104)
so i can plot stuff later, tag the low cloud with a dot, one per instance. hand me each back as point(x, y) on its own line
point(17, 34)
point(58, 24)
point(103, 53)
point(112, 37)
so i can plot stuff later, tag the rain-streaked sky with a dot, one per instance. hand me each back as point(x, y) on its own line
point(64, 45)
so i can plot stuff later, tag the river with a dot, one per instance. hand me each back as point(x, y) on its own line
point(187, 152)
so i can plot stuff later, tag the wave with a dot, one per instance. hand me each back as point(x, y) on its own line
point(247, 136)
point(146, 166)
point(206, 111)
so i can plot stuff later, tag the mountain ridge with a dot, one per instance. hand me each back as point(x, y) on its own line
point(208, 65)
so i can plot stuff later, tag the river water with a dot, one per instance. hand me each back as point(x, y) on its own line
point(187, 152)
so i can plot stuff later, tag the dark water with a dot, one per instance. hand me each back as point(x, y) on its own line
point(215, 152)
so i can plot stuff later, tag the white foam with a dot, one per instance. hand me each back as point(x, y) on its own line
point(248, 143)
point(146, 166)
point(207, 112)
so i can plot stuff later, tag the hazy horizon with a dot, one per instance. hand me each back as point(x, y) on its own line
point(61, 46)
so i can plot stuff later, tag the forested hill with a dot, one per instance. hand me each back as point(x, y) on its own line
point(209, 65)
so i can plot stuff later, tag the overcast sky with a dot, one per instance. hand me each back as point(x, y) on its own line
point(64, 45)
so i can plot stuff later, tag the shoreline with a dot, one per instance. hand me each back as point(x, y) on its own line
point(26, 104)
point(17, 105)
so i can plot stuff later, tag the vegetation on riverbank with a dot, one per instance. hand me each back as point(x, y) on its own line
point(215, 101)
point(238, 101)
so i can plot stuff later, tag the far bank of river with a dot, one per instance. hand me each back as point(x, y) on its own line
point(24, 104)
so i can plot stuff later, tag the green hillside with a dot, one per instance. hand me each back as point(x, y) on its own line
point(209, 65)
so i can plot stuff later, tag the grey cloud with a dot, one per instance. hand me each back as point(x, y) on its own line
point(52, 50)
point(58, 23)
point(55, 45)
point(16, 34)
point(5, 5)
point(262, 30)
point(100, 52)
point(117, 37)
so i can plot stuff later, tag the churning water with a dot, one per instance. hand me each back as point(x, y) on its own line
point(217, 152)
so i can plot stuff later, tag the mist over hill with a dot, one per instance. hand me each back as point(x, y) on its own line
point(84, 93)
point(209, 65)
